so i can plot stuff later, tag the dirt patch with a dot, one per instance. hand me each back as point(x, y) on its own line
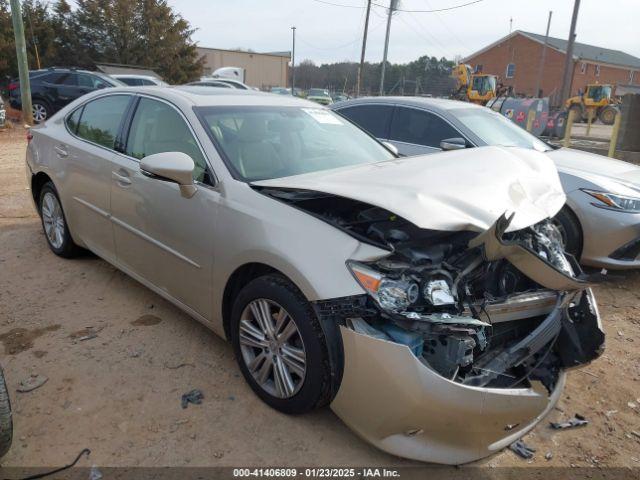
point(146, 320)
point(18, 340)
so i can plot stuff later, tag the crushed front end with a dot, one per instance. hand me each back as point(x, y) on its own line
point(461, 343)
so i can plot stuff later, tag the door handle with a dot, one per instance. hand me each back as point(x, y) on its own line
point(61, 151)
point(122, 179)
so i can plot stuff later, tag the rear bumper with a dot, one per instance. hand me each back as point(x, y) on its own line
point(393, 401)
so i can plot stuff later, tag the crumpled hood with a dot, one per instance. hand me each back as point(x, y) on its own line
point(458, 190)
point(590, 165)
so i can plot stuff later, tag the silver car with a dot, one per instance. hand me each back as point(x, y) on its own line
point(429, 302)
point(600, 224)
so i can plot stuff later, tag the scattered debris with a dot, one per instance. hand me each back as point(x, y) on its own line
point(195, 396)
point(577, 421)
point(94, 473)
point(632, 404)
point(85, 451)
point(634, 433)
point(589, 373)
point(88, 337)
point(31, 383)
point(548, 456)
point(608, 413)
point(136, 352)
point(522, 449)
point(175, 366)
point(146, 320)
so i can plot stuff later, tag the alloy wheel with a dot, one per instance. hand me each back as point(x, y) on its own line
point(39, 113)
point(272, 348)
point(53, 220)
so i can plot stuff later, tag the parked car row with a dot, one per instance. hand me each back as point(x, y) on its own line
point(54, 88)
point(427, 299)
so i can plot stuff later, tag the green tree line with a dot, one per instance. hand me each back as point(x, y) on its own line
point(424, 75)
point(134, 32)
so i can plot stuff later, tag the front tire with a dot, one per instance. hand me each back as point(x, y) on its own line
point(280, 345)
point(54, 223)
point(569, 228)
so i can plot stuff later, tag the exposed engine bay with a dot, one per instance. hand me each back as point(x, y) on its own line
point(492, 309)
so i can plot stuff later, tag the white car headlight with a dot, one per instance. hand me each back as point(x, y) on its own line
point(616, 202)
point(392, 294)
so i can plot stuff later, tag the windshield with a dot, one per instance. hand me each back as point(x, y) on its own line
point(494, 129)
point(318, 92)
point(261, 143)
point(484, 84)
point(600, 92)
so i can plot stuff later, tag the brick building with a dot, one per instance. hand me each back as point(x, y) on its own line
point(516, 60)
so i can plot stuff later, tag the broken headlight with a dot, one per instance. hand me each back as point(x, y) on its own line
point(392, 294)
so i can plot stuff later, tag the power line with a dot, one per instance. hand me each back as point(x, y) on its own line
point(429, 11)
point(454, 7)
point(338, 4)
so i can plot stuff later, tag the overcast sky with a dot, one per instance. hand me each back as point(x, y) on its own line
point(327, 33)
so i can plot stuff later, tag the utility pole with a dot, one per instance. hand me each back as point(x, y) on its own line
point(293, 63)
point(23, 66)
point(544, 55)
point(568, 61)
point(364, 47)
point(392, 6)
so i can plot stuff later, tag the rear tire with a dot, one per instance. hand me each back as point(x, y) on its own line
point(6, 421)
point(311, 378)
point(54, 223)
point(41, 110)
point(570, 230)
point(577, 113)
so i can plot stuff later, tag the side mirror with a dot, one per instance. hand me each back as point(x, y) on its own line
point(173, 167)
point(456, 143)
point(392, 148)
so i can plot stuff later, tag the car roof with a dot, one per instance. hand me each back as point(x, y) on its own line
point(435, 104)
point(207, 96)
point(133, 75)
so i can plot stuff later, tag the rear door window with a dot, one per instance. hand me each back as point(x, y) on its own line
point(419, 127)
point(101, 118)
point(372, 118)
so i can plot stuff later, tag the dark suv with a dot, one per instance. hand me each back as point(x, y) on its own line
point(53, 88)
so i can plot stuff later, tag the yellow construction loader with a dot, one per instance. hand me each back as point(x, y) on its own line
point(597, 101)
point(473, 87)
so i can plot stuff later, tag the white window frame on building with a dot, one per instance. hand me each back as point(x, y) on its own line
point(513, 70)
point(597, 70)
point(583, 68)
point(632, 75)
point(478, 68)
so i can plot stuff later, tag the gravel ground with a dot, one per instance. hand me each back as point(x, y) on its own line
point(118, 358)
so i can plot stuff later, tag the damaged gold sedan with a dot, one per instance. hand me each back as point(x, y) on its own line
point(395, 290)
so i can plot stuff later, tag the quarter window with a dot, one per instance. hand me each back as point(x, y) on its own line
point(101, 119)
point(372, 118)
point(73, 120)
point(420, 128)
point(157, 128)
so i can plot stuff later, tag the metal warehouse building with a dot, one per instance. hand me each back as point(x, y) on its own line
point(516, 60)
point(262, 70)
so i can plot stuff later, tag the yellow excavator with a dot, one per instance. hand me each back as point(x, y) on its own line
point(473, 87)
point(596, 100)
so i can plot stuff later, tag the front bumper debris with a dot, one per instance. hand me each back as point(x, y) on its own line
point(398, 404)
